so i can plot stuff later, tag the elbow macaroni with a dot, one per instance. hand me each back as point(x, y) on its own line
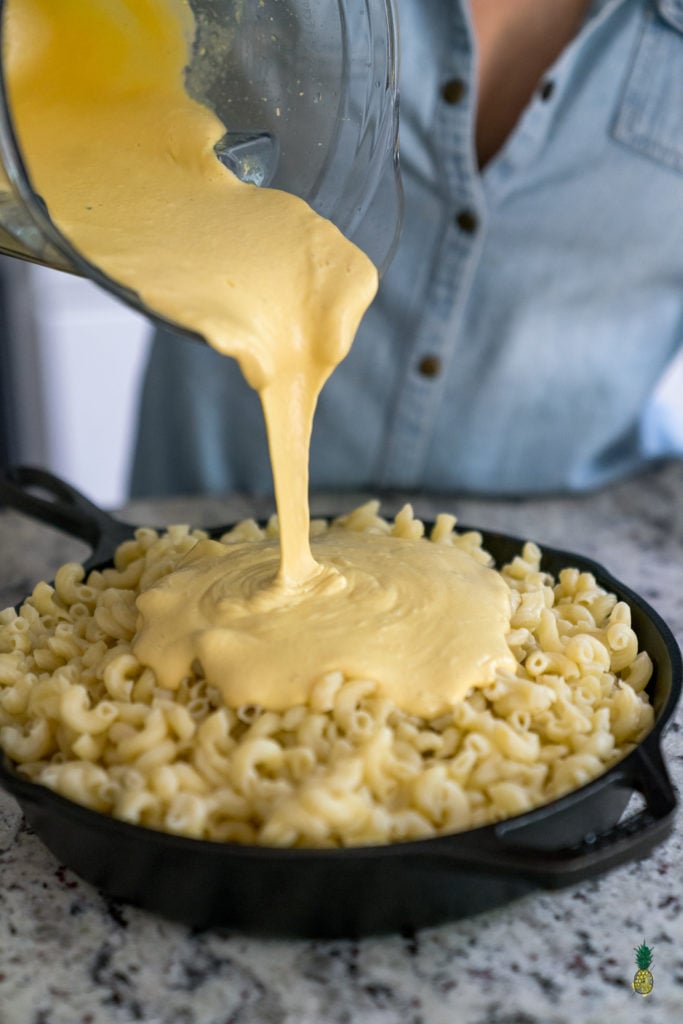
point(80, 714)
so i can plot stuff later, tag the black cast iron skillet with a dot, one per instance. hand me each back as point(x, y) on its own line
point(364, 890)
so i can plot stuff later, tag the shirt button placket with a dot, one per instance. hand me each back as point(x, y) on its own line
point(423, 386)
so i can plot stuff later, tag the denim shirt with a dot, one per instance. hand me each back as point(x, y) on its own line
point(531, 309)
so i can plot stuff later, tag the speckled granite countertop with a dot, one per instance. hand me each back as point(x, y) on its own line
point(69, 955)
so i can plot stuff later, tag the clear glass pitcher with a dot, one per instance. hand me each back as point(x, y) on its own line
point(309, 92)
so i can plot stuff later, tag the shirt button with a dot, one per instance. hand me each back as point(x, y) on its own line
point(467, 221)
point(429, 366)
point(453, 91)
point(546, 89)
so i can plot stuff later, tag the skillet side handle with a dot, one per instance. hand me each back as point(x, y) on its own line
point(63, 507)
point(630, 839)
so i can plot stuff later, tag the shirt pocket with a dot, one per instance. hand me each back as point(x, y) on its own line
point(650, 115)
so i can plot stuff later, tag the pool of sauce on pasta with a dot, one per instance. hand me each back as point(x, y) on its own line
point(125, 161)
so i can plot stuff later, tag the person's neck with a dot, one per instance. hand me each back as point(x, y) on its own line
point(517, 41)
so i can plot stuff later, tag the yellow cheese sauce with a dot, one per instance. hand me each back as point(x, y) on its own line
point(424, 620)
point(125, 162)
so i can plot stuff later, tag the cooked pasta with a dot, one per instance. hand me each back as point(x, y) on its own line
point(80, 714)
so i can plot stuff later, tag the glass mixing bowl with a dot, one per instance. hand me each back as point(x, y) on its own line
point(308, 91)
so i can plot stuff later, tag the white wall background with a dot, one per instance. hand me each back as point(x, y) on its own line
point(79, 355)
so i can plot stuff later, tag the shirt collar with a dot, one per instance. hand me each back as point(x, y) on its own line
point(671, 11)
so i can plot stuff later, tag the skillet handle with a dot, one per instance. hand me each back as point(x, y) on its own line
point(628, 840)
point(63, 507)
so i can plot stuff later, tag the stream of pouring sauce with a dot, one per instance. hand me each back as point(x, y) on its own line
point(125, 162)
